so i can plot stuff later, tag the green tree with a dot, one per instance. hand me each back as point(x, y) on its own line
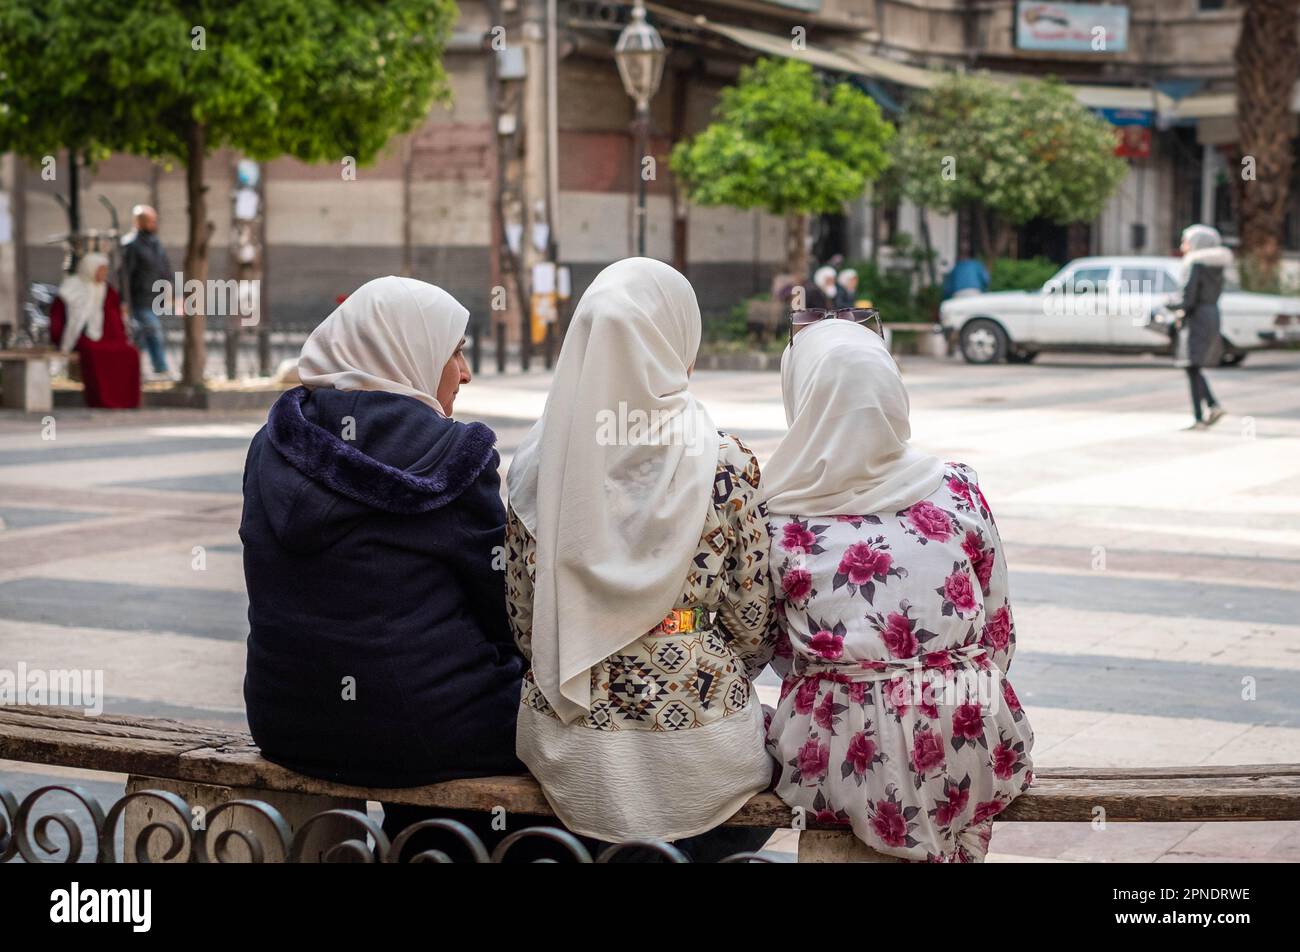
point(785, 141)
point(319, 80)
point(1007, 154)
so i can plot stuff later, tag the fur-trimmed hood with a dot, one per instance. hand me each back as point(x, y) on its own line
point(331, 457)
point(1220, 256)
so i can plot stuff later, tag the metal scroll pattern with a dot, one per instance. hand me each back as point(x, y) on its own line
point(171, 835)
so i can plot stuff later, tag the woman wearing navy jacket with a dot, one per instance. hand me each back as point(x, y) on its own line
point(379, 652)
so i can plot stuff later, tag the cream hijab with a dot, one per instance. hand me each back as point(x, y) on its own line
point(615, 479)
point(393, 334)
point(846, 452)
point(83, 302)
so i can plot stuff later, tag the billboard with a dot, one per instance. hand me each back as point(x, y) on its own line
point(1071, 27)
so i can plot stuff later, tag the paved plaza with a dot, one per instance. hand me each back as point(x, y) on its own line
point(1155, 573)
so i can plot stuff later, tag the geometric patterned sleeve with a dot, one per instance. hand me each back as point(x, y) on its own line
point(745, 613)
point(521, 564)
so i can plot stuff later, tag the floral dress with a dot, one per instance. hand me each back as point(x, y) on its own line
point(896, 633)
point(674, 741)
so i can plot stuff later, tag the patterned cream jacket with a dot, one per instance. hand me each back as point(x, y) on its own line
point(674, 742)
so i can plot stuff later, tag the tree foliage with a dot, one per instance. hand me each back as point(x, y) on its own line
point(1019, 152)
point(319, 80)
point(314, 79)
point(787, 142)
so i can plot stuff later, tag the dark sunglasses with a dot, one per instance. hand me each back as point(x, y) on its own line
point(858, 315)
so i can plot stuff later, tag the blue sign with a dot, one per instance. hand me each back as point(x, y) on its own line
point(1128, 117)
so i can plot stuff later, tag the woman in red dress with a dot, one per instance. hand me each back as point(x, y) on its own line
point(87, 317)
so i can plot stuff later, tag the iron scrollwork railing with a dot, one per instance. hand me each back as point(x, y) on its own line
point(354, 837)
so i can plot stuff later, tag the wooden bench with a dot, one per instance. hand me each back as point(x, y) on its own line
point(208, 766)
point(25, 380)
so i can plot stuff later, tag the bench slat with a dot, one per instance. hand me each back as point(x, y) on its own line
point(173, 750)
point(108, 742)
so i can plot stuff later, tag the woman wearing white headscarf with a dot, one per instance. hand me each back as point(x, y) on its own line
point(1205, 261)
point(889, 573)
point(824, 280)
point(87, 317)
point(846, 291)
point(379, 653)
point(636, 578)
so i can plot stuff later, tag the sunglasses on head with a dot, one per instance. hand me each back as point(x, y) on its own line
point(858, 315)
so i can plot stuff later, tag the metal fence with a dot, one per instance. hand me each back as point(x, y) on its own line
point(172, 831)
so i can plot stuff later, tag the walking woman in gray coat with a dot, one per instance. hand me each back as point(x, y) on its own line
point(1204, 261)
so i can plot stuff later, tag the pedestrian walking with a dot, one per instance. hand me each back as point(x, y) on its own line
point(145, 263)
point(1205, 260)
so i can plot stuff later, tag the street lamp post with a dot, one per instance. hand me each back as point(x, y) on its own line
point(640, 55)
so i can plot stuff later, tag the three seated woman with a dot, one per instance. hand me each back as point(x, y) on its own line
point(604, 629)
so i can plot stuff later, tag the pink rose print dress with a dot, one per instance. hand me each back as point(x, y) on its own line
point(894, 637)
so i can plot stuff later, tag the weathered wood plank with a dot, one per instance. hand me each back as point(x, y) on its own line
point(177, 751)
point(111, 743)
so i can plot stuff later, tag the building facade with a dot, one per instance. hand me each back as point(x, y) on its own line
point(535, 159)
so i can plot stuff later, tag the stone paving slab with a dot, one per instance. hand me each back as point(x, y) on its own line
point(1138, 663)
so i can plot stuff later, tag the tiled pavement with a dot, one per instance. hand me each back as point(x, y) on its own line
point(1155, 572)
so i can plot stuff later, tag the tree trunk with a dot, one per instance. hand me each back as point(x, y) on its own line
point(1268, 65)
point(75, 244)
point(983, 237)
point(196, 257)
point(1003, 234)
point(993, 233)
point(923, 226)
point(796, 244)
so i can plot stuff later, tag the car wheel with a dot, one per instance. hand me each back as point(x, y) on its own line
point(983, 342)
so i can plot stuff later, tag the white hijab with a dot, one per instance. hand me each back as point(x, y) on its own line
point(846, 452)
point(615, 479)
point(83, 302)
point(824, 278)
point(393, 334)
point(1205, 246)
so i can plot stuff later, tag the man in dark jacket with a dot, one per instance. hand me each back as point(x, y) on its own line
point(145, 263)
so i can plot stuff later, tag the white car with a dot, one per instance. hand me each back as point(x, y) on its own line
point(1107, 304)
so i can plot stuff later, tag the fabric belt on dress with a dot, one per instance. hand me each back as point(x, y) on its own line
point(854, 671)
point(681, 620)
